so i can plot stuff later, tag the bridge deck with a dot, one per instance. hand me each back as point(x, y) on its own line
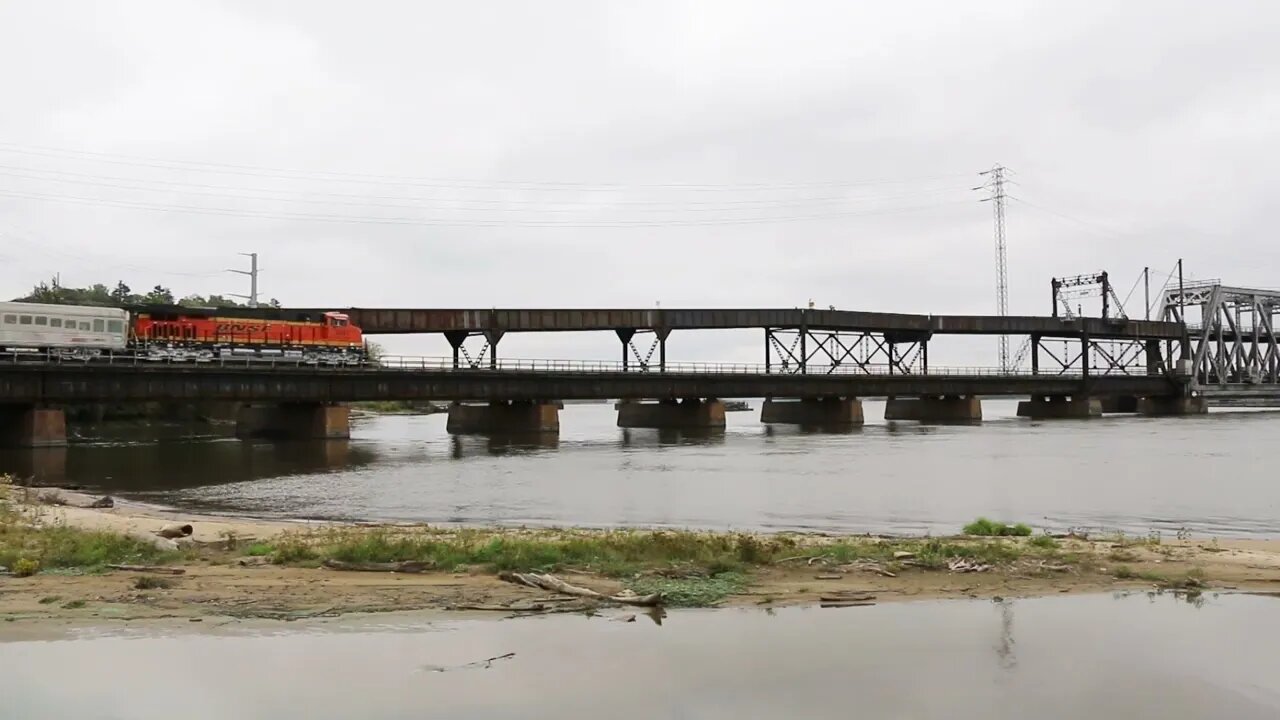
point(79, 383)
point(375, 321)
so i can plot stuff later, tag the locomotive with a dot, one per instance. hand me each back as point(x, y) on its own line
point(181, 334)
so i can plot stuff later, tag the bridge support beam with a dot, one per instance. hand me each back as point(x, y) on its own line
point(504, 418)
point(671, 414)
point(1059, 407)
point(813, 412)
point(945, 408)
point(30, 426)
point(294, 421)
point(1157, 406)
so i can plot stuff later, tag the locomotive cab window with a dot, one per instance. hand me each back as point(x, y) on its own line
point(42, 320)
point(55, 322)
point(99, 325)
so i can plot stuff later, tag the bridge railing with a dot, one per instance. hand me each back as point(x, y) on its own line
point(407, 363)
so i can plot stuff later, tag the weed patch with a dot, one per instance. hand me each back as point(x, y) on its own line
point(151, 582)
point(990, 528)
point(690, 591)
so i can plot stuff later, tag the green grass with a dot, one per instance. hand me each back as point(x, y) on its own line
point(1044, 542)
point(990, 528)
point(615, 553)
point(690, 591)
point(28, 542)
point(259, 549)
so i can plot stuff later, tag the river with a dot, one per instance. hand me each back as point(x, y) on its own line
point(1127, 656)
point(1205, 475)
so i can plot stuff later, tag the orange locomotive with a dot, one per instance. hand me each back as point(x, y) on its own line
point(181, 333)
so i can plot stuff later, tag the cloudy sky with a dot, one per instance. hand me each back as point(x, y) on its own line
point(738, 153)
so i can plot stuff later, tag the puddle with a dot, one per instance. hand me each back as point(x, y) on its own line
point(1135, 655)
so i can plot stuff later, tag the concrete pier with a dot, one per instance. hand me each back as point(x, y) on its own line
point(34, 427)
point(945, 408)
point(671, 414)
point(1059, 407)
point(294, 421)
point(1157, 406)
point(813, 412)
point(1120, 404)
point(504, 418)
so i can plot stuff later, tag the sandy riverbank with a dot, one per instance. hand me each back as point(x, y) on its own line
point(220, 580)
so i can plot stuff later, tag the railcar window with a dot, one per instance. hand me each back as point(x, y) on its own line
point(115, 326)
point(24, 319)
point(84, 326)
point(99, 325)
point(10, 319)
point(42, 320)
point(55, 322)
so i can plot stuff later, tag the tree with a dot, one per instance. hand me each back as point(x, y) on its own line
point(159, 295)
point(122, 293)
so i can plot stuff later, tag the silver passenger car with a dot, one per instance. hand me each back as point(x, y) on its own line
point(66, 329)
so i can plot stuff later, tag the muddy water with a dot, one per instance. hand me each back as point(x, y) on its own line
point(1209, 475)
point(1093, 657)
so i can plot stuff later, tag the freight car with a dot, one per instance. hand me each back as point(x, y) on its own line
point(177, 334)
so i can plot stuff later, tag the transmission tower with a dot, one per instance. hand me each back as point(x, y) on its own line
point(995, 185)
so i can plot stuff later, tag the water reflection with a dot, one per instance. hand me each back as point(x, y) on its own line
point(461, 446)
point(164, 465)
point(1076, 657)
point(643, 438)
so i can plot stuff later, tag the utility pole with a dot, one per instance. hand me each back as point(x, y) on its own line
point(995, 184)
point(1146, 289)
point(252, 272)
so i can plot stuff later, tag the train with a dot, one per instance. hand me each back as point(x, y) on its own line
point(175, 333)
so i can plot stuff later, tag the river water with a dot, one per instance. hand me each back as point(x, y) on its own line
point(1134, 656)
point(1208, 475)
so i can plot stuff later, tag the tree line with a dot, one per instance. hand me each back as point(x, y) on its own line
point(98, 294)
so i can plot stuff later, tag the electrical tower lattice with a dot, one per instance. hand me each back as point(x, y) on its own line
point(995, 184)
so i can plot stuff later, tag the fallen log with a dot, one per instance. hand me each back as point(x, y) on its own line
point(408, 566)
point(160, 569)
point(175, 530)
point(555, 584)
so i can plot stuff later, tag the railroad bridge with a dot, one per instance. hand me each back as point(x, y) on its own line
point(1213, 344)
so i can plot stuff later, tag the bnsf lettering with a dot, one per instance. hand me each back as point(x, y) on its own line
point(228, 328)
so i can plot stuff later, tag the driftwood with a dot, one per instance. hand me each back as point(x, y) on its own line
point(555, 584)
point(408, 566)
point(160, 569)
point(175, 530)
point(151, 538)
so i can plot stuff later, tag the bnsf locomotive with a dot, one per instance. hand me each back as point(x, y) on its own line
point(175, 333)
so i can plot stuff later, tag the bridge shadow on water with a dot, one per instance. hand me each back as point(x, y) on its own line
point(164, 466)
point(463, 446)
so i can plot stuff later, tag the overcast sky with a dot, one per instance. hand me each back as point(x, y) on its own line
point(447, 154)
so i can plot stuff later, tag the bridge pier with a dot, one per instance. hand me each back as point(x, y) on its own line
point(32, 426)
point(1158, 406)
point(935, 408)
point(504, 418)
point(1120, 404)
point(813, 412)
point(294, 421)
point(1059, 407)
point(664, 414)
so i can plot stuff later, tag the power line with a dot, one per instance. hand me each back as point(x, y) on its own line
point(453, 183)
point(442, 222)
point(146, 185)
